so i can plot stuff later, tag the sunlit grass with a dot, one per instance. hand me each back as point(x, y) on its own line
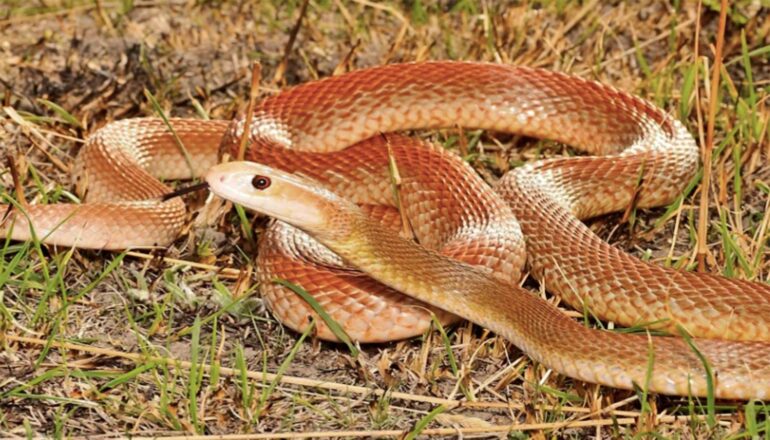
point(167, 314)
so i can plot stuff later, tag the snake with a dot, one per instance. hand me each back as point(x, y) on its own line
point(388, 231)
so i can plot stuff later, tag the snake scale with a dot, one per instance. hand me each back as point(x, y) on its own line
point(329, 131)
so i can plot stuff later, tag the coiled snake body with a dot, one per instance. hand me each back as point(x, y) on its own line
point(328, 131)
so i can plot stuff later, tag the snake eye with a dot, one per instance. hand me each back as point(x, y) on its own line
point(260, 182)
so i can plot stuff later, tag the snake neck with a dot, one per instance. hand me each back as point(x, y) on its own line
point(438, 280)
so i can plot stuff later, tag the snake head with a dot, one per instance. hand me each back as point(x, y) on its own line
point(296, 200)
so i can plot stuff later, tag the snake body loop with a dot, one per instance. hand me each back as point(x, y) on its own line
point(329, 131)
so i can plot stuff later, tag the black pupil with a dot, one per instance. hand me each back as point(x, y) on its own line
point(260, 182)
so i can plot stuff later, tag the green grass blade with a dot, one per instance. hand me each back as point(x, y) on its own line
point(751, 419)
point(245, 223)
point(196, 376)
point(710, 399)
point(447, 344)
point(156, 106)
point(129, 376)
point(247, 391)
point(335, 328)
point(423, 422)
point(268, 391)
point(59, 110)
point(688, 87)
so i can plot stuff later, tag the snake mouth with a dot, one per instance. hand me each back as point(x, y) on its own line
point(200, 186)
point(232, 181)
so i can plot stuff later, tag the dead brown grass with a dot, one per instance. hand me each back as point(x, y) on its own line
point(112, 342)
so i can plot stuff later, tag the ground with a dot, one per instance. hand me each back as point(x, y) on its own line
point(180, 343)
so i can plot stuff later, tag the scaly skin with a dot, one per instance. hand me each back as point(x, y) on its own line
point(741, 369)
point(329, 130)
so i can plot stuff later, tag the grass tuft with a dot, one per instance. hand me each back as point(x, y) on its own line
point(178, 343)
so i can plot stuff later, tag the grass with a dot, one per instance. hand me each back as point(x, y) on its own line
point(179, 343)
point(334, 327)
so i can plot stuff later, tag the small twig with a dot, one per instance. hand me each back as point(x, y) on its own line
point(28, 128)
point(17, 183)
point(703, 212)
point(184, 190)
point(462, 142)
point(698, 106)
point(14, 19)
point(632, 51)
point(346, 15)
point(256, 77)
point(342, 66)
point(396, 433)
point(222, 87)
point(401, 31)
point(576, 18)
point(281, 69)
point(105, 18)
point(630, 213)
point(395, 182)
point(223, 272)
point(264, 377)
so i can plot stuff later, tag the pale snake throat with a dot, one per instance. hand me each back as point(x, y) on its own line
point(473, 240)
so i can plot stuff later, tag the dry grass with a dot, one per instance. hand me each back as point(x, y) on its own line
point(130, 344)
